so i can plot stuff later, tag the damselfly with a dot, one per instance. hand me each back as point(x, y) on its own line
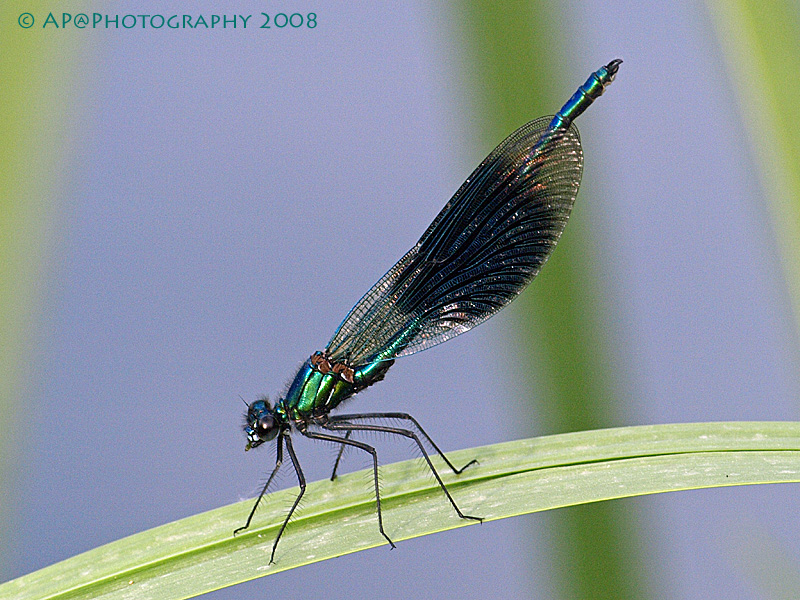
point(479, 253)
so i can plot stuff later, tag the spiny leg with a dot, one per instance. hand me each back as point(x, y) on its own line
point(339, 456)
point(278, 462)
point(366, 448)
point(347, 425)
point(403, 416)
point(301, 480)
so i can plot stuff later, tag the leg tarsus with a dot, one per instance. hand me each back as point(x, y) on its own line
point(474, 461)
point(278, 461)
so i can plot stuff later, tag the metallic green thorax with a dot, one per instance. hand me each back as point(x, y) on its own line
point(315, 392)
point(322, 383)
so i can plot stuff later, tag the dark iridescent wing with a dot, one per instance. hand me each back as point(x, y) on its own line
point(479, 253)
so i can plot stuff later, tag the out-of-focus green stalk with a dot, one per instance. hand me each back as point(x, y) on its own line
point(36, 78)
point(517, 60)
point(761, 45)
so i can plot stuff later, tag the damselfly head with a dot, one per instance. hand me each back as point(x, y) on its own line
point(261, 424)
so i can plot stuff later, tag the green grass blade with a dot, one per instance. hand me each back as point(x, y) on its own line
point(198, 554)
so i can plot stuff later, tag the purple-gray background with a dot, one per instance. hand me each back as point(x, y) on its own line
point(234, 194)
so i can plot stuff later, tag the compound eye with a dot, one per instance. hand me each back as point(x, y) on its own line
point(267, 428)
